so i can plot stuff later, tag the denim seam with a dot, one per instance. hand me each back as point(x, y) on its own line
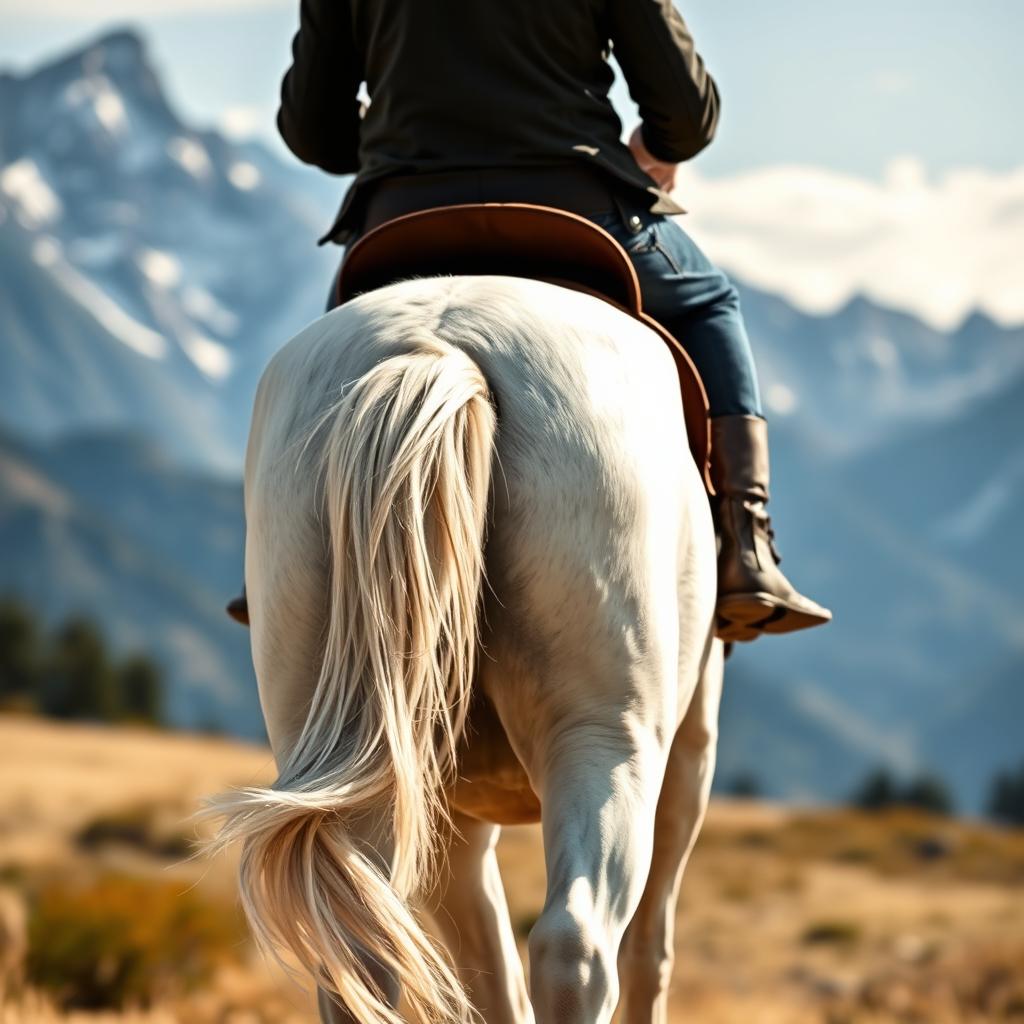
point(668, 256)
point(643, 248)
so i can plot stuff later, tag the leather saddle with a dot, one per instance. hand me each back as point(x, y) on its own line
point(520, 240)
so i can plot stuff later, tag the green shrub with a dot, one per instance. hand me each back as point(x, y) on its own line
point(745, 785)
point(79, 681)
point(877, 791)
point(118, 942)
point(928, 793)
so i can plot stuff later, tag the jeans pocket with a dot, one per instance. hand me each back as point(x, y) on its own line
point(651, 244)
point(662, 246)
point(640, 233)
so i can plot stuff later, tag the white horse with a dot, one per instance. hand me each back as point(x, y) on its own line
point(480, 566)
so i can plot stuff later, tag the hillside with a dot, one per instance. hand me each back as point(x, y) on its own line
point(105, 527)
point(787, 916)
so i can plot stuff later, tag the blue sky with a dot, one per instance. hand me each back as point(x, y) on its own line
point(831, 83)
point(871, 147)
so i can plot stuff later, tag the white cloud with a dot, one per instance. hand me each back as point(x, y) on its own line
point(936, 247)
point(780, 399)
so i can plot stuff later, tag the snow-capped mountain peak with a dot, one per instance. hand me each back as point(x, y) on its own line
point(178, 245)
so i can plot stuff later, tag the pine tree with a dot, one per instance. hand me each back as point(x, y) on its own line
point(1006, 797)
point(744, 784)
point(79, 681)
point(20, 652)
point(878, 790)
point(140, 690)
point(929, 793)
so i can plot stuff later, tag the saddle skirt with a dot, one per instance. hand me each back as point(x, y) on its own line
point(521, 240)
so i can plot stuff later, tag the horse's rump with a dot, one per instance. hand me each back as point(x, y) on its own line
point(368, 476)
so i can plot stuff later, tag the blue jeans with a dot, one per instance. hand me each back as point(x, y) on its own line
point(682, 289)
point(687, 293)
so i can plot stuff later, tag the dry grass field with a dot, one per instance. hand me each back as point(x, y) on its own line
point(788, 916)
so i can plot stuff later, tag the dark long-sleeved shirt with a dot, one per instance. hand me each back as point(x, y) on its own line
point(489, 83)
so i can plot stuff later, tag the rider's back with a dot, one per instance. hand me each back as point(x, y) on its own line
point(490, 83)
point(482, 83)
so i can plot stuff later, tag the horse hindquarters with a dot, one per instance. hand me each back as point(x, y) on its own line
point(594, 505)
point(363, 671)
point(607, 601)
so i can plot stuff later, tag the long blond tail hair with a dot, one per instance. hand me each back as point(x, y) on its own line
point(406, 466)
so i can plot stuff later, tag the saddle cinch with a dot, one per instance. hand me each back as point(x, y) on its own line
point(520, 240)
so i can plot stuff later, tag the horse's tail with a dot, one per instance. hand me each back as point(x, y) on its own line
point(406, 464)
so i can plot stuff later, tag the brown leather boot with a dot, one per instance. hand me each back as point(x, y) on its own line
point(238, 608)
point(753, 595)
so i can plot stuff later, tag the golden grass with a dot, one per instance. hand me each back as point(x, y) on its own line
point(59, 777)
point(787, 916)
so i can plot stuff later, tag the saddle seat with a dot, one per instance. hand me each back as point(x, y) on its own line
point(520, 240)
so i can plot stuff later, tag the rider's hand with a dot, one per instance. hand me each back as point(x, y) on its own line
point(663, 174)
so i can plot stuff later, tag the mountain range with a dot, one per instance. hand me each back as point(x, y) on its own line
point(151, 269)
point(148, 270)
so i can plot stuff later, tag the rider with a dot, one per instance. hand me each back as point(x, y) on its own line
point(507, 100)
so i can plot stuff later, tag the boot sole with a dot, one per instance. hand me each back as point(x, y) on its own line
point(732, 632)
point(746, 616)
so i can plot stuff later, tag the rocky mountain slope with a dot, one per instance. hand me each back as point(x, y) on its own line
point(150, 269)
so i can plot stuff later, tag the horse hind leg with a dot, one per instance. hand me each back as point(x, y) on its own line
point(599, 795)
point(469, 913)
point(592, 730)
point(648, 949)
